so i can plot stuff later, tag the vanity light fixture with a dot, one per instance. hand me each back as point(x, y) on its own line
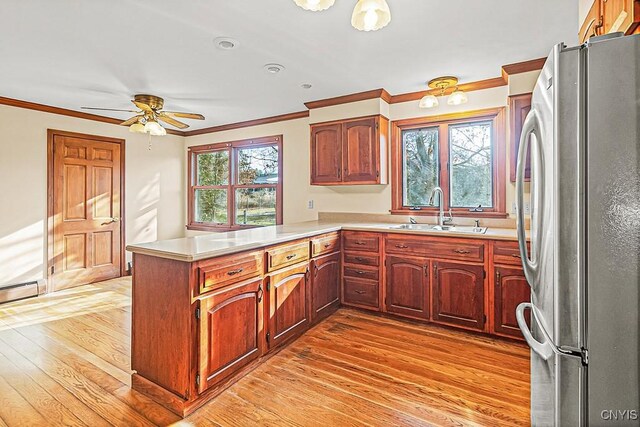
point(441, 84)
point(368, 15)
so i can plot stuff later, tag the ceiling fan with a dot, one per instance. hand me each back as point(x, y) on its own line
point(150, 113)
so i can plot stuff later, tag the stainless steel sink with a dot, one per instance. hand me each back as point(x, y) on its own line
point(441, 228)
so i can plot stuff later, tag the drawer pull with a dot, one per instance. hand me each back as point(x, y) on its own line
point(359, 243)
point(359, 291)
point(359, 258)
point(326, 245)
point(515, 255)
point(292, 256)
point(234, 272)
point(461, 251)
point(360, 272)
point(402, 246)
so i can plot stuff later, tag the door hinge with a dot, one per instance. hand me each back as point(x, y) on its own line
point(484, 274)
point(268, 286)
point(197, 380)
point(268, 337)
point(484, 318)
point(198, 313)
point(53, 269)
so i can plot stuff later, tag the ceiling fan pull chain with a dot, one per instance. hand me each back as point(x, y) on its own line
point(149, 141)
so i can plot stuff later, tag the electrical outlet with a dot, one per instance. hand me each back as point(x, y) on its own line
point(310, 204)
point(513, 208)
point(527, 208)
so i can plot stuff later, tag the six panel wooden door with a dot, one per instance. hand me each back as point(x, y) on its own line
point(86, 211)
point(458, 294)
point(360, 151)
point(231, 331)
point(407, 287)
point(326, 154)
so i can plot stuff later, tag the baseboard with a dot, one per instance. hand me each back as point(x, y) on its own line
point(19, 291)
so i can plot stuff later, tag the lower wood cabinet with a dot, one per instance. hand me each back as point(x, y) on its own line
point(407, 290)
point(510, 289)
point(231, 331)
point(288, 312)
point(325, 285)
point(458, 294)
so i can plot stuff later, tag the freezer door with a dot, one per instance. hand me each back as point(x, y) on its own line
point(613, 218)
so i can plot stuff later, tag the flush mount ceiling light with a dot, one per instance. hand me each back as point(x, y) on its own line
point(441, 84)
point(225, 43)
point(273, 68)
point(370, 15)
point(315, 5)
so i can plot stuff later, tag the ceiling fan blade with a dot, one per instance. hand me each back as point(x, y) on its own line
point(172, 122)
point(143, 106)
point(109, 109)
point(194, 116)
point(130, 121)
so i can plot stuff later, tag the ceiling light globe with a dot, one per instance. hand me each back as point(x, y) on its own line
point(137, 128)
point(154, 128)
point(370, 15)
point(315, 5)
point(429, 101)
point(458, 97)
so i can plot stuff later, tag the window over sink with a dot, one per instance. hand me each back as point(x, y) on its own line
point(235, 185)
point(461, 153)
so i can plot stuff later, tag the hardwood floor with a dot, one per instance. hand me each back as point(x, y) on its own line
point(64, 360)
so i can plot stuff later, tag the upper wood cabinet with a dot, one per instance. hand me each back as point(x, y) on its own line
point(610, 16)
point(349, 152)
point(519, 107)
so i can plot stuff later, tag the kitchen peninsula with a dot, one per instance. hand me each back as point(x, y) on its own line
point(208, 309)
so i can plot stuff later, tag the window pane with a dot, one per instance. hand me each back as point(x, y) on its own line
point(471, 166)
point(256, 206)
point(258, 165)
point(420, 166)
point(211, 206)
point(213, 168)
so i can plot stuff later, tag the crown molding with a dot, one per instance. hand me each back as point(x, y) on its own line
point(248, 123)
point(353, 97)
point(522, 67)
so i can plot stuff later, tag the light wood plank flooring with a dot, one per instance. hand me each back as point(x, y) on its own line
point(64, 360)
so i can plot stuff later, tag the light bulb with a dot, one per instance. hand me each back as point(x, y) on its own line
point(137, 128)
point(153, 128)
point(458, 97)
point(315, 5)
point(370, 15)
point(429, 101)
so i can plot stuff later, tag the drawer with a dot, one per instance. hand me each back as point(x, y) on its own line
point(228, 270)
point(360, 292)
point(360, 272)
point(361, 258)
point(282, 256)
point(466, 251)
point(507, 253)
point(361, 241)
point(325, 244)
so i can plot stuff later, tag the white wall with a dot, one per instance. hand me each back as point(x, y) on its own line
point(154, 187)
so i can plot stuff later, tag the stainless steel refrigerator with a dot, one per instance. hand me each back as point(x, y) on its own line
point(584, 263)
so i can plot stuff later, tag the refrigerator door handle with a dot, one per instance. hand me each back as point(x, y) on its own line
point(541, 348)
point(529, 127)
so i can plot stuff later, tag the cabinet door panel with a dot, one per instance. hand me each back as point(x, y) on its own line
point(231, 331)
point(619, 15)
point(458, 294)
point(326, 153)
point(407, 291)
point(360, 151)
point(325, 285)
point(510, 289)
point(519, 107)
point(287, 304)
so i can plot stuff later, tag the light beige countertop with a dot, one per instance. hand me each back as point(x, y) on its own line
point(212, 245)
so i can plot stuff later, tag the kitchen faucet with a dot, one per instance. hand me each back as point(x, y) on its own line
point(442, 218)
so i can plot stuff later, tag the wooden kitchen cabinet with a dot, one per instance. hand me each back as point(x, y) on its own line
point(519, 107)
point(288, 313)
point(407, 287)
point(349, 152)
point(325, 286)
point(231, 331)
point(458, 294)
point(609, 16)
point(510, 289)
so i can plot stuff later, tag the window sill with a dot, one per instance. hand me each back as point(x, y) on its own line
point(461, 213)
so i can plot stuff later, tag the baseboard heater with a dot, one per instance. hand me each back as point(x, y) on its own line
point(19, 291)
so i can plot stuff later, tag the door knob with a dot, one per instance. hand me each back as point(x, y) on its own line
point(111, 221)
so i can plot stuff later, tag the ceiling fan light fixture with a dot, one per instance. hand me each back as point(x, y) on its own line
point(137, 128)
point(429, 101)
point(153, 128)
point(370, 15)
point(315, 5)
point(458, 97)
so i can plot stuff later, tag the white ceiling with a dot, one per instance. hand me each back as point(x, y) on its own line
point(73, 53)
